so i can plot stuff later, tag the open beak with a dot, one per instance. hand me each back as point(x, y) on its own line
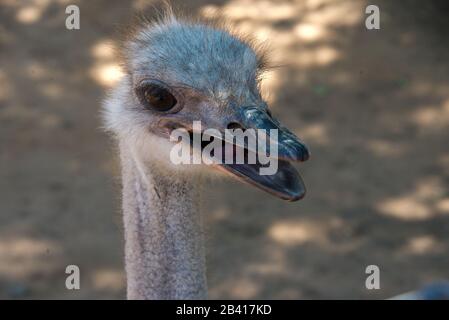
point(285, 182)
point(279, 145)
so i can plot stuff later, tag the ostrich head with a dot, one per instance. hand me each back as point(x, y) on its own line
point(178, 72)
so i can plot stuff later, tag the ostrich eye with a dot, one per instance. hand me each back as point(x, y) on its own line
point(158, 98)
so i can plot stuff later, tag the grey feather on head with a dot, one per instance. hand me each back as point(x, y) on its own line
point(206, 55)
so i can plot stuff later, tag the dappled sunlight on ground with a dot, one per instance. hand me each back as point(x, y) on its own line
point(296, 233)
point(20, 258)
point(422, 245)
point(315, 133)
point(385, 148)
point(107, 74)
point(308, 32)
point(443, 205)
point(32, 11)
point(433, 118)
point(106, 71)
point(5, 88)
point(110, 280)
point(240, 288)
point(419, 204)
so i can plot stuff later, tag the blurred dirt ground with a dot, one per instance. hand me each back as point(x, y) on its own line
point(373, 106)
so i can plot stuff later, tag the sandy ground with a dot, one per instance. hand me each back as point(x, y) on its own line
point(373, 106)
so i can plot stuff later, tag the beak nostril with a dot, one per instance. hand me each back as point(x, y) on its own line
point(234, 125)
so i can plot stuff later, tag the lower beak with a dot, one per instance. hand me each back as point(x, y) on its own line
point(285, 184)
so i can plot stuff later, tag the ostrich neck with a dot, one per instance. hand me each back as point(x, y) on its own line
point(164, 249)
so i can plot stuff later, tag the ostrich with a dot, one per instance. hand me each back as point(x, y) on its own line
point(179, 71)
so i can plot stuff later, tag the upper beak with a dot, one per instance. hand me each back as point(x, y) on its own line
point(289, 146)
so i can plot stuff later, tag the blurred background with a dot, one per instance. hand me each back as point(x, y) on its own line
point(373, 106)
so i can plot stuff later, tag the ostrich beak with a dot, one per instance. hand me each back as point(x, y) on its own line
point(285, 182)
point(279, 148)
